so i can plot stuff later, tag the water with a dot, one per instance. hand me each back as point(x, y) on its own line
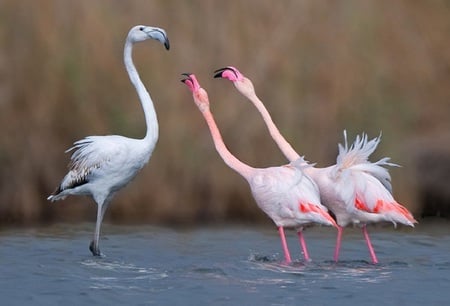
point(234, 265)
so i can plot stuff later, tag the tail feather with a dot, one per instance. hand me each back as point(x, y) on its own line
point(356, 157)
point(56, 196)
point(358, 152)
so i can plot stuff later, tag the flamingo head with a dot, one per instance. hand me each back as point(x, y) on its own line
point(199, 94)
point(141, 33)
point(243, 84)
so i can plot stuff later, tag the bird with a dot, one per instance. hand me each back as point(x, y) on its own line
point(355, 190)
point(102, 165)
point(288, 196)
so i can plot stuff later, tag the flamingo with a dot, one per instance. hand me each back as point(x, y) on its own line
point(288, 196)
point(102, 165)
point(356, 190)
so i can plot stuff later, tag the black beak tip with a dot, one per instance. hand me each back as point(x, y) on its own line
point(218, 73)
point(167, 44)
point(187, 75)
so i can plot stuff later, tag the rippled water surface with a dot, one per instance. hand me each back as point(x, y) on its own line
point(233, 265)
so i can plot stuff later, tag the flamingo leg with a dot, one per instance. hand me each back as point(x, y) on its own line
point(369, 245)
point(287, 255)
point(94, 246)
point(338, 243)
point(303, 245)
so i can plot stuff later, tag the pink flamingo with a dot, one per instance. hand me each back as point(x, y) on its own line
point(354, 189)
point(288, 196)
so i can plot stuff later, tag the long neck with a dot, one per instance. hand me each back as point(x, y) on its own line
point(282, 143)
point(147, 104)
point(226, 155)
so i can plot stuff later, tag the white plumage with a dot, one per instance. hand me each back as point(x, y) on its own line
point(102, 165)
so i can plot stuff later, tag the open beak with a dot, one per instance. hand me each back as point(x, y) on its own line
point(218, 73)
point(191, 81)
point(187, 77)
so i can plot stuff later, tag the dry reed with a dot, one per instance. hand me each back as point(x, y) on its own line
point(320, 67)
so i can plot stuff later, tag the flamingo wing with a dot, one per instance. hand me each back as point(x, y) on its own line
point(92, 155)
point(372, 196)
point(365, 187)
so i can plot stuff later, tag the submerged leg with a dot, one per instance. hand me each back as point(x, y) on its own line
point(287, 255)
point(338, 243)
point(303, 245)
point(369, 245)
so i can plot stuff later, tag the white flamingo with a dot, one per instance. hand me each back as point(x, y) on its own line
point(355, 190)
point(288, 196)
point(101, 165)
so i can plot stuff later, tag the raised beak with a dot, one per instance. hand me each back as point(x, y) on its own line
point(218, 73)
point(187, 77)
point(191, 81)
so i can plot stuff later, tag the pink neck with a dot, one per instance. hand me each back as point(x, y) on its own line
point(284, 146)
point(226, 155)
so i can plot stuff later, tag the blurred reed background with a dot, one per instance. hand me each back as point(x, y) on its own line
point(319, 66)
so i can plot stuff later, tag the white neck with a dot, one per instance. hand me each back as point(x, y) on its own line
point(147, 104)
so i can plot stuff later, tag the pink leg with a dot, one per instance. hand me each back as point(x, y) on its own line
point(303, 244)
point(369, 245)
point(287, 255)
point(338, 243)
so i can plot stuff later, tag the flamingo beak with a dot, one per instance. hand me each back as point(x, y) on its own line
point(157, 34)
point(187, 80)
point(191, 81)
point(187, 77)
point(219, 72)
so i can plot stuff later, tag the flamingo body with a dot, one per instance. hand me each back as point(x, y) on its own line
point(102, 165)
point(287, 196)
